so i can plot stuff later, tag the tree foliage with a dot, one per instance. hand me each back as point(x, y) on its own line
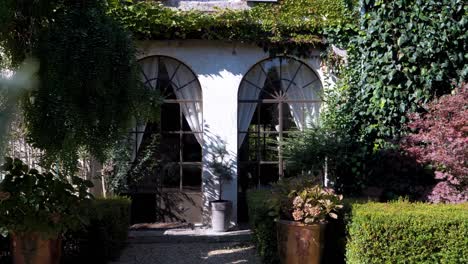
point(401, 55)
point(87, 69)
point(439, 138)
point(89, 89)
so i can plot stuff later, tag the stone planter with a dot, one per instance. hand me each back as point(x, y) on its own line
point(220, 215)
point(300, 243)
point(33, 249)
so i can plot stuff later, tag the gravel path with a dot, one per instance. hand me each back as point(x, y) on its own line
point(188, 253)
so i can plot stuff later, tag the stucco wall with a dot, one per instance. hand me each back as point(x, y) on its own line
point(220, 67)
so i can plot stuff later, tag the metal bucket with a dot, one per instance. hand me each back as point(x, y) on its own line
point(220, 215)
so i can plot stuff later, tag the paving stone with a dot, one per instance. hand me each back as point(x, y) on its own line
point(188, 253)
point(189, 246)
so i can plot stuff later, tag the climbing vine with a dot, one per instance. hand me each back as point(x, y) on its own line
point(406, 53)
point(292, 26)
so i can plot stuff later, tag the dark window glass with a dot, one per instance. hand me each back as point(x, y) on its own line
point(281, 105)
point(178, 150)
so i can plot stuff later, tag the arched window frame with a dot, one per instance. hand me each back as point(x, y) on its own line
point(277, 98)
point(149, 81)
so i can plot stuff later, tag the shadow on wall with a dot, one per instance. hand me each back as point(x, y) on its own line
point(219, 167)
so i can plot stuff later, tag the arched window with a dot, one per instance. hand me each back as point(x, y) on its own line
point(180, 132)
point(277, 97)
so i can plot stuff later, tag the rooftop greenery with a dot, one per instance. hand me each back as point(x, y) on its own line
point(290, 24)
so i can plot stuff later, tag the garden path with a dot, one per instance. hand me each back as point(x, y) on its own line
point(188, 246)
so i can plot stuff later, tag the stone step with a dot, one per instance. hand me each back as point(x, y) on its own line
point(197, 235)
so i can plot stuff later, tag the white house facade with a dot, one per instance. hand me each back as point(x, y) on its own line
point(228, 96)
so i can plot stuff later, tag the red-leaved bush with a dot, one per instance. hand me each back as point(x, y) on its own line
point(440, 138)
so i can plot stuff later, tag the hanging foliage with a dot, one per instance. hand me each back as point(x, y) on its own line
point(88, 85)
point(291, 26)
point(20, 24)
point(89, 90)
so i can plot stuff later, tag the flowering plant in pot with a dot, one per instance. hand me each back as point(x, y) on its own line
point(221, 209)
point(303, 209)
point(36, 209)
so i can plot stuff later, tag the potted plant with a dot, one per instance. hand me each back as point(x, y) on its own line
point(36, 209)
point(303, 209)
point(221, 209)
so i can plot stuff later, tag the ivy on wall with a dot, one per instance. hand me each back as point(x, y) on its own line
point(401, 55)
point(290, 26)
point(406, 53)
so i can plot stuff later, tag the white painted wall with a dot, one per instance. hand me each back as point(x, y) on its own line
point(220, 67)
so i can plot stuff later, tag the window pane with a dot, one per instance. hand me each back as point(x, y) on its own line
point(248, 175)
point(190, 107)
point(253, 147)
point(171, 175)
point(192, 178)
point(287, 80)
point(269, 116)
point(170, 119)
point(165, 84)
point(192, 150)
point(185, 125)
point(170, 148)
point(289, 122)
point(269, 147)
point(268, 174)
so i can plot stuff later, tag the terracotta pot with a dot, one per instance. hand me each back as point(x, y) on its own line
point(300, 243)
point(31, 248)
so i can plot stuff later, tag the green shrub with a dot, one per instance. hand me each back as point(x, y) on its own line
point(262, 225)
point(5, 254)
point(403, 232)
point(406, 53)
point(106, 235)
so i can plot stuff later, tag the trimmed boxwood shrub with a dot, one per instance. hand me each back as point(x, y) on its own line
point(403, 232)
point(262, 225)
point(104, 238)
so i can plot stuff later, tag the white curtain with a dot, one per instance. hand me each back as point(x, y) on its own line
point(304, 86)
point(149, 75)
point(249, 91)
point(185, 88)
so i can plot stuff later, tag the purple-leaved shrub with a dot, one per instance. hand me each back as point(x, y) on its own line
point(439, 138)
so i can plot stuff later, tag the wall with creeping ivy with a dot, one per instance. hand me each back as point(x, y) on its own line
point(290, 26)
point(406, 53)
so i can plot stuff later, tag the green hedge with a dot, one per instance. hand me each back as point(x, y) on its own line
point(101, 241)
point(403, 232)
point(262, 225)
point(399, 232)
point(104, 238)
